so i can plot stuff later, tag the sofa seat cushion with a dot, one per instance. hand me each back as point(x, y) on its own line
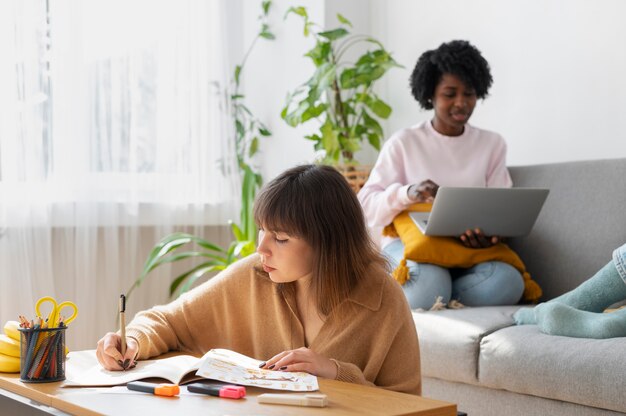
point(521, 359)
point(450, 339)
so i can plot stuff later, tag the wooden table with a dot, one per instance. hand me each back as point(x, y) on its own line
point(344, 399)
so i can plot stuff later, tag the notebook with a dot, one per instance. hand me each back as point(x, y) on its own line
point(83, 370)
point(504, 212)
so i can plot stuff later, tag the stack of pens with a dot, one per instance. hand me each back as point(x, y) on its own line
point(42, 353)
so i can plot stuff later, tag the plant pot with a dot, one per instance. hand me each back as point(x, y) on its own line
point(356, 175)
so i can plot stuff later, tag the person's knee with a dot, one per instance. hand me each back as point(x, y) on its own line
point(491, 284)
point(426, 283)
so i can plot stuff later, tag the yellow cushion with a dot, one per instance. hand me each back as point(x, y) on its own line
point(449, 251)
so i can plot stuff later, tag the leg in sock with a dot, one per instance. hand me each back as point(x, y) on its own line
point(525, 316)
point(597, 293)
point(605, 288)
point(558, 319)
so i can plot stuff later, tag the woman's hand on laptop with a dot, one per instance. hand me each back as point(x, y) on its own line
point(476, 239)
point(424, 192)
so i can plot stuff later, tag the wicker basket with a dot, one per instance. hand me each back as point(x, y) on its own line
point(356, 175)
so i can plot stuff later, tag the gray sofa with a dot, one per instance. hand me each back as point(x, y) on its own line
point(477, 357)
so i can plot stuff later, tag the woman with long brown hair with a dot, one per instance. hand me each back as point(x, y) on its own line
point(317, 296)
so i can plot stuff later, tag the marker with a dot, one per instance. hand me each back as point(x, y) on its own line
point(312, 400)
point(168, 390)
point(225, 391)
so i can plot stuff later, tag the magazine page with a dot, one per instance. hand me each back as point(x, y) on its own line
point(232, 367)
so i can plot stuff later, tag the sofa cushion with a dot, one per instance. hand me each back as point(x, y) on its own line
point(585, 200)
point(585, 371)
point(450, 339)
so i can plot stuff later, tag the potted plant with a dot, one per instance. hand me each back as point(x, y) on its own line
point(340, 93)
point(248, 131)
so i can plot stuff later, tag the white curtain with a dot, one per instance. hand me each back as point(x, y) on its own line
point(113, 133)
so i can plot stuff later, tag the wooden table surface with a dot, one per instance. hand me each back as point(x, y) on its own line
point(343, 398)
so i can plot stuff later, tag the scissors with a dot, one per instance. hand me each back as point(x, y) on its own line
point(55, 314)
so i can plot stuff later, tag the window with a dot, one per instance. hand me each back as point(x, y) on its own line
point(102, 112)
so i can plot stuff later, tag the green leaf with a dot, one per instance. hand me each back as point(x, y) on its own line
point(209, 246)
point(266, 6)
point(334, 34)
point(347, 79)
point(241, 130)
point(163, 247)
point(247, 249)
point(264, 132)
point(243, 246)
point(237, 73)
point(330, 140)
point(301, 11)
point(343, 20)
point(322, 79)
point(236, 231)
point(295, 117)
point(186, 255)
point(378, 106)
point(351, 145)
point(320, 53)
point(254, 147)
point(371, 123)
point(313, 137)
point(374, 140)
point(266, 34)
point(313, 112)
point(193, 277)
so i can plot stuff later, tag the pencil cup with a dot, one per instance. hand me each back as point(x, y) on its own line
point(42, 355)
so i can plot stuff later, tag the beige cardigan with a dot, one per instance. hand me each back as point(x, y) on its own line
point(371, 336)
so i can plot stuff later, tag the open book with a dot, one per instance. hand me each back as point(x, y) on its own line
point(83, 369)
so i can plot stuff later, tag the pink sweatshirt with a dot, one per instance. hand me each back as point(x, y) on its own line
point(412, 155)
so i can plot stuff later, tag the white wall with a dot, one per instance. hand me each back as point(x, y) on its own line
point(558, 90)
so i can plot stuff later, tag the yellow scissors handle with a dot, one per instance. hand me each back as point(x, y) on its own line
point(66, 304)
point(55, 314)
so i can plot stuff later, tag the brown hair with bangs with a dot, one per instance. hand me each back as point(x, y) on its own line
point(316, 203)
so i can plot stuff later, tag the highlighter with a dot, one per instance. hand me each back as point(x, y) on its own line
point(225, 391)
point(168, 390)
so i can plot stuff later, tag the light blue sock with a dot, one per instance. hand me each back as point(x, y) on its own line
point(605, 288)
point(525, 316)
point(558, 319)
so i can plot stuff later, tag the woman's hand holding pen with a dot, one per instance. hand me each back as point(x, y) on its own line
point(424, 192)
point(302, 359)
point(109, 355)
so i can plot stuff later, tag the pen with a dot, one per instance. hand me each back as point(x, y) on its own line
point(168, 390)
point(313, 400)
point(225, 391)
point(122, 308)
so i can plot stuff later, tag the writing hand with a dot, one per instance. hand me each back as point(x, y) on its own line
point(477, 239)
point(109, 355)
point(426, 191)
point(303, 359)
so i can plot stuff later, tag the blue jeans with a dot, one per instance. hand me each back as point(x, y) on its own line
point(486, 284)
point(619, 258)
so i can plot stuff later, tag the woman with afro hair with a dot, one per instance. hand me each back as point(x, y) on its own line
point(444, 151)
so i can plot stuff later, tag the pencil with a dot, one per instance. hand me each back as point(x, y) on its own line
point(123, 325)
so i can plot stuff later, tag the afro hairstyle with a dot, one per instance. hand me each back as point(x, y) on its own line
point(457, 57)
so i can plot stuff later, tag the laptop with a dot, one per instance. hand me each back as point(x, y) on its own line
point(505, 212)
